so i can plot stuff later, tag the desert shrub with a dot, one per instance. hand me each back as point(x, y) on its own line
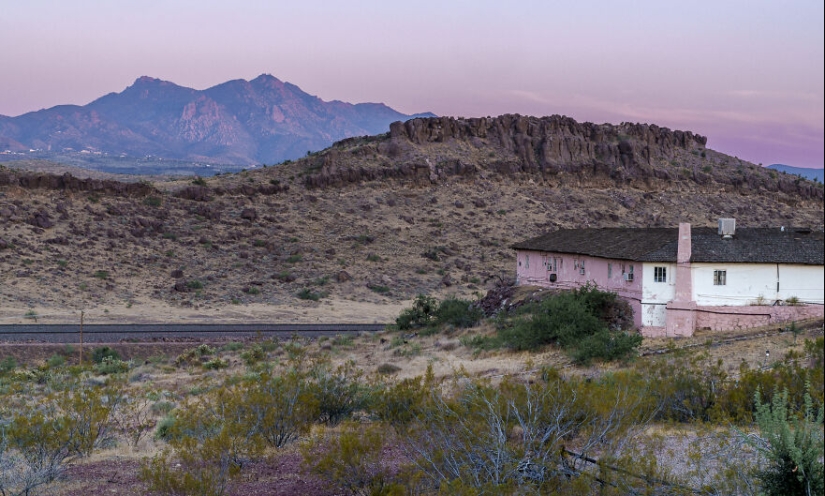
point(339, 392)
point(683, 388)
point(101, 274)
point(462, 440)
point(109, 365)
point(792, 444)
point(388, 369)
point(216, 363)
point(352, 461)
point(56, 361)
point(421, 314)
point(790, 376)
point(194, 284)
point(606, 345)
point(98, 354)
point(165, 427)
point(233, 346)
point(152, 201)
point(7, 365)
point(458, 313)
point(34, 448)
point(308, 294)
point(587, 322)
point(195, 355)
point(253, 355)
point(88, 414)
point(162, 407)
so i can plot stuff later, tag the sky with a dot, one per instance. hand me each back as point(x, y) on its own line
point(749, 75)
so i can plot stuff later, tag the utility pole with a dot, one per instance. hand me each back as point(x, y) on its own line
point(81, 337)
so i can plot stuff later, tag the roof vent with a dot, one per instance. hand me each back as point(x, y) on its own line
point(727, 228)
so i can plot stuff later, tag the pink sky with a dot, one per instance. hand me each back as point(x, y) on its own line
point(747, 74)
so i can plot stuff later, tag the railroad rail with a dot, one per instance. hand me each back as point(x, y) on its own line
point(112, 333)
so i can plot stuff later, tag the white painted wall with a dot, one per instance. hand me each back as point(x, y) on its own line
point(747, 283)
point(802, 281)
point(656, 294)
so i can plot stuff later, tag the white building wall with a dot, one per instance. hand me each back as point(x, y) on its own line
point(806, 282)
point(656, 295)
point(747, 284)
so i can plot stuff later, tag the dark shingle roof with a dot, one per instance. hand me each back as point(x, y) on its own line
point(749, 245)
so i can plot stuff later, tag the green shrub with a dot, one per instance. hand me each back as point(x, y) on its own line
point(293, 259)
point(56, 361)
point(101, 274)
point(587, 322)
point(253, 355)
point(421, 314)
point(233, 346)
point(308, 294)
point(458, 313)
point(152, 201)
point(109, 365)
point(793, 446)
point(98, 354)
point(216, 363)
point(194, 284)
point(606, 345)
point(388, 369)
point(7, 365)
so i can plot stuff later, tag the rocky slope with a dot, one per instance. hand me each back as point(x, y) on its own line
point(238, 122)
point(430, 207)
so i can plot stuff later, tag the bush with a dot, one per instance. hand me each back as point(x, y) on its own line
point(792, 445)
point(253, 355)
point(587, 322)
point(109, 365)
point(339, 392)
point(421, 314)
point(308, 294)
point(7, 365)
point(98, 354)
point(458, 313)
point(216, 363)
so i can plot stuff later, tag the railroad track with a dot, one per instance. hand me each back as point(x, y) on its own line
point(112, 333)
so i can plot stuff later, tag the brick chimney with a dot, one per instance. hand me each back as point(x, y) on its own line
point(681, 315)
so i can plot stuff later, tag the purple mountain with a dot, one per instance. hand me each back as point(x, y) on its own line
point(238, 122)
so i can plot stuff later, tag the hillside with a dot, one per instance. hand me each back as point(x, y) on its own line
point(430, 207)
point(237, 122)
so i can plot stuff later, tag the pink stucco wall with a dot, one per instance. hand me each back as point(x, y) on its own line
point(743, 317)
point(532, 269)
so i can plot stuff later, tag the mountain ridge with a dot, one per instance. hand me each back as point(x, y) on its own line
point(238, 122)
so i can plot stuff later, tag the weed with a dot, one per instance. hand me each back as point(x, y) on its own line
point(152, 201)
point(101, 274)
point(293, 259)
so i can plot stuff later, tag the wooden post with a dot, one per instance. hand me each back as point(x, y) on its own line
point(81, 337)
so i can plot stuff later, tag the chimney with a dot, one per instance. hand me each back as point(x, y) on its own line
point(727, 228)
point(684, 284)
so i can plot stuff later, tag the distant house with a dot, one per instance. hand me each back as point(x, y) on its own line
point(680, 280)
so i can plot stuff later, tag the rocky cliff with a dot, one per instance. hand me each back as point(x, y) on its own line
point(639, 155)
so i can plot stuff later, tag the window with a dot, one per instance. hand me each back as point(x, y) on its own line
point(527, 261)
point(660, 274)
point(610, 271)
point(720, 277)
point(581, 268)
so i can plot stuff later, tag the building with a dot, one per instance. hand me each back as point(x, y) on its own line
point(680, 280)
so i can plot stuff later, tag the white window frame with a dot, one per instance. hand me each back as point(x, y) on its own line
point(659, 274)
point(720, 277)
